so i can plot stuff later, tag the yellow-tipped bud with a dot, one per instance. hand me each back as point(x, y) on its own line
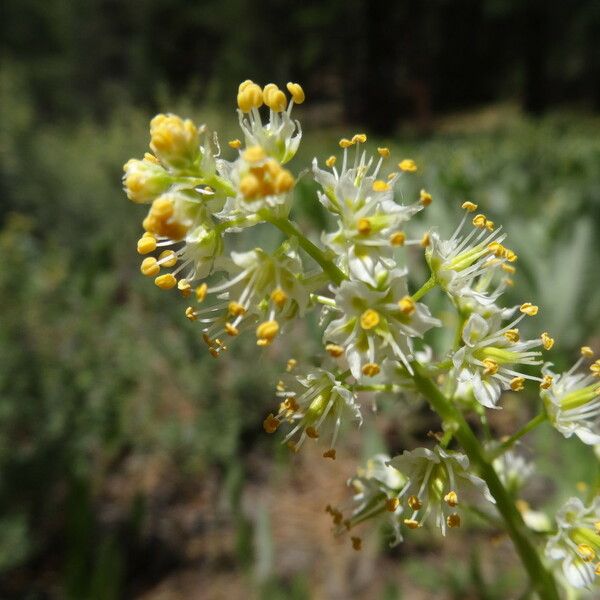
point(167, 258)
point(408, 165)
point(529, 309)
point(383, 152)
point(166, 281)
point(296, 92)
point(547, 341)
point(469, 206)
point(398, 238)
point(407, 305)
point(380, 186)
point(369, 319)
point(150, 267)
point(146, 244)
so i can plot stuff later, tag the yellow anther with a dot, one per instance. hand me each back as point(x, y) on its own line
point(183, 285)
point(329, 454)
point(291, 404)
point(595, 368)
point(276, 100)
point(346, 143)
point(469, 206)
point(408, 165)
point(284, 182)
point(517, 384)
point(149, 267)
point(244, 85)
point(547, 341)
point(381, 186)
point(489, 225)
point(359, 138)
point(425, 198)
point(167, 258)
point(231, 330)
point(356, 543)
point(280, 387)
point(398, 238)
point(166, 281)
point(244, 102)
point(296, 91)
point(214, 352)
point(425, 240)
point(369, 319)
point(546, 382)
point(529, 309)
point(510, 255)
point(453, 520)
point(279, 297)
point(191, 314)
point(173, 138)
point(508, 281)
point(271, 423)
point(254, 154)
point(491, 366)
point(587, 351)
point(384, 152)
point(392, 504)
point(312, 433)
point(371, 369)
point(363, 226)
point(151, 158)
point(496, 248)
point(451, 498)
point(407, 305)
point(411, 523)
point(479, 221)
point(235, 144)
point(162, 208)
point(250, 186)
point(146, 244)
point(235, 309)
point(291, 364)
point(508, 269)
point(414, 503)
point(512, 335)
point(266, 332)
point(586, 552)
point(201, 292)
point(334, 350)
point(330, 162)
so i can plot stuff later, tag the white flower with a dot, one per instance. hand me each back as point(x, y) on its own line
point(376, 324)
point(572, 402)
point(577, 543)
point(513, 470)
point(486, 361)
point(314, 408)
point(436, 482)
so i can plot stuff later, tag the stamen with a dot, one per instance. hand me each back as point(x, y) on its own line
point(329, 454)
point(271, 423)
point(398, 238)
point(547, 341)
point(392, 504)
point(425, 198)
point(383, 152)
point(371, 369)
point(587, 352)
point(407, 305)
point(146, 244)
point(330, 162)
point(414, 503)
point(529, 309)
point(150, 267)
point(407, 165)
point(381, 186)
point(235, 144)
point(369, 319)
point(334, 350)
point(469, 206)
point(517, 384)
point(453, 520)
point(166, 281)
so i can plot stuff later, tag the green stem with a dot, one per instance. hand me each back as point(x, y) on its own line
point(289, 229)
point(509, 443)
point(426, 287)
point(541, 579)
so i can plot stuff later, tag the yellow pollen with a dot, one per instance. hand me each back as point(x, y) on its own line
point(407, 165)
point(425, 198)
point(191, 314)
point(384, 152)
point(479, 221)
point(284, 182)
point(491, 366)
point(162, 208)
point(235, 144)
point(508, 268)
point(392, 504)
point(312, 433)
point(517, 384)
point(276, 100)
point(267, 331)
point(425, 240)
point(271, 423)
point(529, 309)
point(587, 351)
point(510, 255)
point(235, 309)
point(149, 267)
point(496, 248)
point(398, 238)
point(363, 226)
point(183, 285)
point(469, 206)
point(296, 91)
point(280, 387)
point(453, 520)
point(414, 503)
point(369, 319)
point(356, 543)
point(411, 523)
point(254, 154)
point(370, 369)
point(329, 454)
point(244, 85)
point(407, 305)
point(512, 335)
point(586, 552)
point(167, 258)
point(546, 382)
point(279, 297)
point(489, 225)
point(151, 158)
point(451, 498)
point(330, 162)
point(291, 364)
point(334, 350)
point(346, 143)
point(231, 330)
point(595, 368)
point(146, 244)
point(201, 292)
point(380, 186)
point(249, 186)
point(166, 281)
point(547, 341)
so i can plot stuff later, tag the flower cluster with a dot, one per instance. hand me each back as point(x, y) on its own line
point(376, 327)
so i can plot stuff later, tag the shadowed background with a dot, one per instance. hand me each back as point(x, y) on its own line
point(132, 465)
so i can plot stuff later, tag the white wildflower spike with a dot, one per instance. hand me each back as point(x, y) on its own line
point(488, 360)
point(576, 545)
point(572, 401)
point(377, 324)
point(437, 482)
point(315, 406)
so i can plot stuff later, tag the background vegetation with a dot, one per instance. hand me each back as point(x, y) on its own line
point(134, 465)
